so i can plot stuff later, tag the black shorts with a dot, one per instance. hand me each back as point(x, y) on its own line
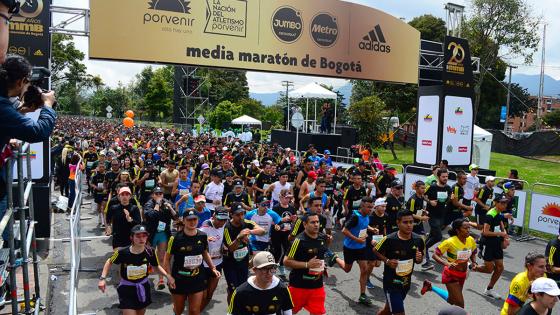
point(128, 297)
point(480, 215)
point(210, 273)
point(185, 285)
point(369, 254)
point(236, 273)
point(352, 255)
point(98, 198)
point(493, 249)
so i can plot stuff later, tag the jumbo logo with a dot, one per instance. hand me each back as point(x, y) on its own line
point(287, 24)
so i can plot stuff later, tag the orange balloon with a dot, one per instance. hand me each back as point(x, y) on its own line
point(129, 114)
point(128, 122)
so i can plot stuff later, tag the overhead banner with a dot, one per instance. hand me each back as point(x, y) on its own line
point(545, 213)
point(29, 32)
point(457, 130)
point(313, 37)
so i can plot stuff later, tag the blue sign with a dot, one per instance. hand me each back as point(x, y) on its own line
point(503, 115)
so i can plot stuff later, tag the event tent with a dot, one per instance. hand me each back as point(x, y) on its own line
point(246, 120)
point(314, 90)
point(482, 146)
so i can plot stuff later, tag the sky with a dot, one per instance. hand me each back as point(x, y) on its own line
point(115, 72)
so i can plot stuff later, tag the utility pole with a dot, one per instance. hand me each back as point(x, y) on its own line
point(508, 98)
point(541, 86)
point(288, 85)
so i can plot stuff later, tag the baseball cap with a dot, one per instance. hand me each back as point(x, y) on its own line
point(312, 174)
point(190, 215)
point(236, 208)
point(149, 162)
point(221, 213)
point(256, 163)
point(509, 185)
point(199, 198)
point(261, 199)
point(237, 183)
point(327, 152)
point(473, 167)
point(139, 228)
point(229, 174)
point(205, 166)
point(125, 189)
point(157, 190)
point(380, 202)
point(501, 198)
point(545, 285)
point(490, 179)
point(263, 259)
point(396, 183)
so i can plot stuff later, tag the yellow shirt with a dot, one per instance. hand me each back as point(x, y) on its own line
point(456, 250)
point(518, 291)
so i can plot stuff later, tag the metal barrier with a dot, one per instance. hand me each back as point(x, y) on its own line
point(26, 232)
point(75, 242)
point(347, 150)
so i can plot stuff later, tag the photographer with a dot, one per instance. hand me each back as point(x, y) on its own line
point(7, 9)
point(15, 75)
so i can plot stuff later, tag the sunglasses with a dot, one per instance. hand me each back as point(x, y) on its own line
point(271, 269)
point(264, 204)
point(158, 193)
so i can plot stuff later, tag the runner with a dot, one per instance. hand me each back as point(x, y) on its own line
point(263, 293)
point(459, 249)
point(553, 259)
point(238, 195)
point(214, 228)
point(214, 191)
point(483, 198)
point(545, 294)
point(134, 290)
point(535, 267)
point(97, 185)
point(353, 195)
point(200, 209)
point(399, 251)
point(267, 219)
point(189, 249)
point(378, 221)
point(187, 201)
point(457, 208)
point(158, 214)
point(306, 260)
point(495, 240)
point(275, 188)
point(236, 239)
point(417, 205)
point(279, 239)
point(472, 184)
point(121, 218)
point(395, 203)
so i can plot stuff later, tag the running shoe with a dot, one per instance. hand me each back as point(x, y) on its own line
point(369, 285)
point(330, 258)
point(492, 293)
point(427, 286)
point(160, 285)
point(365, 300)
point(427, 266)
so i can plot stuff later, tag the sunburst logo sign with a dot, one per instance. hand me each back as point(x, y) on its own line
point(551, 209)
point(179, 6)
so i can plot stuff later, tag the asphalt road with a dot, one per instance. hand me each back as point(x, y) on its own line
point(342, 288)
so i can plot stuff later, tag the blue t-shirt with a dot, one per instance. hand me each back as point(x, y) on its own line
point(357, 224)
point(265, 221)
point(203, 216)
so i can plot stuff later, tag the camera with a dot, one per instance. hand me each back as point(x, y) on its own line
point(32, 97)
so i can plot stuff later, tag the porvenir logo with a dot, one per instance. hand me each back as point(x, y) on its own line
point(324, 30)
point(458, 111)
point(375, 41)
point(428, 118)
point(551, 209)
point(287, 24)
point(172, 6)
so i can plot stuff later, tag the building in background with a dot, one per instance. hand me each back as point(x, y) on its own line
point(525, 122)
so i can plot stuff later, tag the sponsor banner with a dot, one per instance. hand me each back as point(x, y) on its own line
point(412, 178)
point(519, 205)
point(457, 67)
point(314, 37)
point(458, 130)
point(545, 213)
point(29, 32)
point(428, 122)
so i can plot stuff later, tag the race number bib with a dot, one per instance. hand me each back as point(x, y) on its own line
point(404, 267)
point(363, 233)
point(497, 229)
point(161, 226)
point(463, 255)
point(100, 185)
point(287, 226)
point(183, 191)
point(89, 164)
point(489, 202)
point(150, 183)
point(192, 262)
point(136, 272)
point(356, 204)
point(442, 196)
point(318, 270)
point(239, 254)
point(265, 186)
point(377, 238)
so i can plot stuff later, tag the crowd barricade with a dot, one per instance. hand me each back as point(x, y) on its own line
point(410, 177)
point(75, 241)
point(341, 151)
point(23, 212)
point(544, 215)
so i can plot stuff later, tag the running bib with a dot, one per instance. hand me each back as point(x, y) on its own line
point(89, 164)
point(489, 202)
point(404, 268)
point(215, 253)
point(377, 238)
point(161, 226)
point(265, 186)
point(150, 183)
point(192, 262)
point(338, 185)
point(419, 212)
point(136, 272)
point(318, 270)
point(463, 255)
point(497, 229)
point(356, 204)
point(363, 233)
point(183, 191)
point(100, 185)
point(179, 152)
point(442, 196)
point(239, 254)
point(287, 226)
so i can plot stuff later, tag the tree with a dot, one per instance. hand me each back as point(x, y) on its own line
point(274, 115)
point(500, 29)
point(367, 116)
point(227, 85)
point(430, 27)
point(552, 119)
point(521, 101)
point(117, 98)
point(251, 107)
point(223, 114)
point(361, 89)
point(159, 94)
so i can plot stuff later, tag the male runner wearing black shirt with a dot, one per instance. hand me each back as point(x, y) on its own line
point(395, 203)
point(280, 244)
point(553, 259)
point(238, 195)
point(438, 198)
point(417, 205)
point(313, 206)
point(456, 208)
point(399, 251)
point(353, 195)
point(483, 198)
point(121, 218)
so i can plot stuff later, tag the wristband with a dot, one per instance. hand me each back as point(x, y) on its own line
point(102, 278)
point(306, 265)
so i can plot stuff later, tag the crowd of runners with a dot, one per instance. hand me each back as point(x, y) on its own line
point(206, 211)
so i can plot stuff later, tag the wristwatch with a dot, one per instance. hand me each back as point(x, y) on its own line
point(102, 278)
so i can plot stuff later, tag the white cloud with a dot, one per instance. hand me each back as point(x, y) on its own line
point(259, 82)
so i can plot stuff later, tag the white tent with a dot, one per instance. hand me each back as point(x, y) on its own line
point(482, 147)
point(246, 120)
point(314, 90)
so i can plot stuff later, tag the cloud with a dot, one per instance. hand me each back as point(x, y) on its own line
point(260, 82)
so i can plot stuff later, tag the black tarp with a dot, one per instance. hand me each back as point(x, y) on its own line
point(538, 143)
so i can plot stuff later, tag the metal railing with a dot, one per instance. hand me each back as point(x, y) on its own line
point(75, 242)
point(27, 242)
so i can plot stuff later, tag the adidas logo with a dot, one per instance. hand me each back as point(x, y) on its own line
point(375, 41)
